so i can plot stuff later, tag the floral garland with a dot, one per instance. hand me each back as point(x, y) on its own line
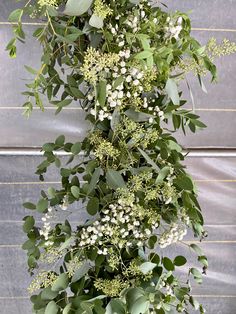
point(121, 61)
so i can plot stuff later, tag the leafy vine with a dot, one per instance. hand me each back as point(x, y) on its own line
point(121, 61)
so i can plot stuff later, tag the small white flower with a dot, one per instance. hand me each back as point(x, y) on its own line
point(140, 75)
point(93, 112)
point(151, 120)
point(121, 43)
point(128, 79)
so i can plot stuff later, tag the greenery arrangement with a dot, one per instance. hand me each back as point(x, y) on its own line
point(122, 62)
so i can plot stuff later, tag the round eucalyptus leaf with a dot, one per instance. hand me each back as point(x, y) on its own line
point(61, 283)
point(77, 7)
point(96, 21)
point(52, 308)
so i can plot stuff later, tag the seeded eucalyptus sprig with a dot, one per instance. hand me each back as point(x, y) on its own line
point(121, 61)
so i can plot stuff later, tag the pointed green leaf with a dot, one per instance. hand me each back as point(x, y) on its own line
point(101, 91)
point(149, 160)
point(163, 174)
point(172, 91)
point(93, 206)
point(94, 180)
point(114, 179)
point(29, 205)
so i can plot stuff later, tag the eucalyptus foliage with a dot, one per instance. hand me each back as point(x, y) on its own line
point(121, 61)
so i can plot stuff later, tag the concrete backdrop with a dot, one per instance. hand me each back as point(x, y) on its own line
point(212, 164)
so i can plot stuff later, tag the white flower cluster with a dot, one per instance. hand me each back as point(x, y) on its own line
point(156, 111)
point(120, 224)
point(47, 227)
point(174, 234)
point(49, 218)
point(65, 203)
point(130, 87)
point(174, 28)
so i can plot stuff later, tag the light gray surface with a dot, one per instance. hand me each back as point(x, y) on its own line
point(216, 177)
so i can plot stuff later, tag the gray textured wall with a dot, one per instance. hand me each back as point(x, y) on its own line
point(215, 175)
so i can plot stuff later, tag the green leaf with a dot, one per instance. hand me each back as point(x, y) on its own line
point(114, 179)
point(140, 306)
point(167, 263)
point(172, 91)
point(76, 92)
point(138, 116)
point(93, 206)
point(28, 224)
point(149, 160)
point(115, 306)
point(180, 260)
point(203, 260)
point(184, 182)
point(77, 7)
point(147, 267)
point(65, 244)
point(61, 282)
point(115, 119)
point(94, 180)
point(101, 91)
point(196, 249)
point(51, 192)
point(144, 54)
point(81, 272)
point(60, 140)
point(73, 37)
point(52, 308)
point(196, 274)
point(152, 241)
point(31, 70)
point(65, 172)
point(163, 174)
point(15, 16)
point(48, 147)
point(118, 81)
point(96, 21)
point(67, 309)
point(132, 295)
point(75, 190)
point(42, 205)
point(29, 205)
point(48, 294)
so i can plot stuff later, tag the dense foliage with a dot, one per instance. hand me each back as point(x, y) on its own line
point(122, 62)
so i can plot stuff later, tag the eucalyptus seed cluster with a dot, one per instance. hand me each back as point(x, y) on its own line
point(44, 279)
point(111, 288)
